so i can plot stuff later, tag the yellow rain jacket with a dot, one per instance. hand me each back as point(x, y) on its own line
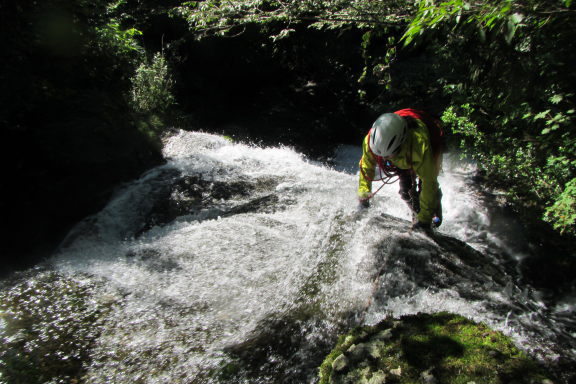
point(415, 154)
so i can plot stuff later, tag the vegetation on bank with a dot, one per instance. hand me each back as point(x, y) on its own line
point(88, 88)
point(424, 348)
point(76, 116)
point(512, 105)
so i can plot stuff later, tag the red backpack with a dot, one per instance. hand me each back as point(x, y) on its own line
point(433, 124)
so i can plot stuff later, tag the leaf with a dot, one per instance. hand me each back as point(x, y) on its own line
point(516, 18)
point(541, 115)
point(409, 35)
point(283, 34)
point(556, 99)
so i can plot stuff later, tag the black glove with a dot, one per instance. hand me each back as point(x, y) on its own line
point(436, 221)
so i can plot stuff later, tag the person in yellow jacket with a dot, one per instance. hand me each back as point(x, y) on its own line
point(399, 144)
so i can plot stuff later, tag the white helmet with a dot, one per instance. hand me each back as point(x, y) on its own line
point(387, 134)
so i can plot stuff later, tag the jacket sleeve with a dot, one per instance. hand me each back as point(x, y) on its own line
point(367, 170)
point(427, 171)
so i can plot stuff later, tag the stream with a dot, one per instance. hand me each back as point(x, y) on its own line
point(235, 263)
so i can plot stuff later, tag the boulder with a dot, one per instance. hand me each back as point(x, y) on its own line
point(429, 348)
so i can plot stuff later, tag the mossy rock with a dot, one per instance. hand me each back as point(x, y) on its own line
point(432, 349)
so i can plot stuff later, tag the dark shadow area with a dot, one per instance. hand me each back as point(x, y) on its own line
point(522, 371)
point(70, 137)
point(301, 92)
point(281, 342)
point(431, 351)
point(548, 259)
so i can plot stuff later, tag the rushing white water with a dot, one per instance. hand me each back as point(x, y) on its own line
point(275, 260)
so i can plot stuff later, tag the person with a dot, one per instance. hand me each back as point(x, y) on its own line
point(401, 144)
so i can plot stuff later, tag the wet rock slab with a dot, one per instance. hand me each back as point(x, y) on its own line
point(201, 199)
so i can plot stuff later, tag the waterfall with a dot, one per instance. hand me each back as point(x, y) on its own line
point(239, 263)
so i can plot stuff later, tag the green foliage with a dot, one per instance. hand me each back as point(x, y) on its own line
point(521, 166)
point(121, 40)
point(152, 86)
point(460, 125)
point(502, 65)
point(225, 17)
point(562, 214)
point(502, 16)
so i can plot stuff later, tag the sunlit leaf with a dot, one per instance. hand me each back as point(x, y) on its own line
point(517, 18)
point(541, 115)
point(556, 99)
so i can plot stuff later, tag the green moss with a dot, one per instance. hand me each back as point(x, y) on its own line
point(448, 347)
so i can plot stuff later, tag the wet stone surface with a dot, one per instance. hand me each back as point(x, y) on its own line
point(201, 199)
point(49, 324)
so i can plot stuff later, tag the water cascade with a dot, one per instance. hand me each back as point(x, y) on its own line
point(237, 263)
